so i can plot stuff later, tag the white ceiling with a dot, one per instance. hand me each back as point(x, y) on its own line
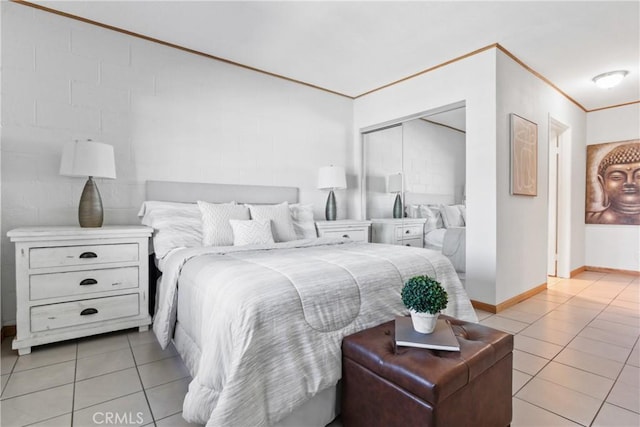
point(354, 47)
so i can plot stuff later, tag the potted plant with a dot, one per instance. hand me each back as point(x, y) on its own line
point(424, 297)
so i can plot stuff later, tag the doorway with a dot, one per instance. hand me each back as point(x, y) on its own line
point(559, 203)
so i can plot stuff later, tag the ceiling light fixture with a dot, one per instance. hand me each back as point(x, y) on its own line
point(610, 79)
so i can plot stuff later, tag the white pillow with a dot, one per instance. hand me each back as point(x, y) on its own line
point(280, 216)
point(463, 212)
point(175, 225)
point(451, 216)
point(251, 232)
point(303, 223)
point(431, 216)
point(438, 213)
point(216, 230)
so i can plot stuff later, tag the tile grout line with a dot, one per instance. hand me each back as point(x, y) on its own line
point(547, 410)
point(73, 392)
point(566, 346)
point(613, 386)
point(144, 389)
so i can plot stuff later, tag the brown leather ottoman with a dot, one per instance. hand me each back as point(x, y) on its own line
point(382, 386)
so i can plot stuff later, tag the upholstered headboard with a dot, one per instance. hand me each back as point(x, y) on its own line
point(428, 199)
point(171, 191)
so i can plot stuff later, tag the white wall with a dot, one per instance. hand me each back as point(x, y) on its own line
point(170, 115)
point(473, 81)
point(613, 246)
point(434, 159)
point(523, 220)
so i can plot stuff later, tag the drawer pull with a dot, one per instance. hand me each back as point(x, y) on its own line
point(88, 255)
point(87, 282)
point(407, 244)
point(346, 236)
point(407, 232)
point(88, 311)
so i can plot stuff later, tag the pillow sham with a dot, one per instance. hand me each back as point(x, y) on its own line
point(216, 230)
point(280, 216)
point(175, 225)
point(438, 213)
point(451, 216)
point(303, 223)
point(463, 212)
point(431, 216)
point(251, 232)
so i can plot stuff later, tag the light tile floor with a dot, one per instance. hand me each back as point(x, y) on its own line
point(576, 362)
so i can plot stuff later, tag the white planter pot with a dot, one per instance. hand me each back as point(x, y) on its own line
point(424, 323)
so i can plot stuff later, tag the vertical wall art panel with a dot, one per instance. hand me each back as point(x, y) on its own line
point(524, 156)
point(613, 183)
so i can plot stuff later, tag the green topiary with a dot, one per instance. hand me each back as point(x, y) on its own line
point(424, 295)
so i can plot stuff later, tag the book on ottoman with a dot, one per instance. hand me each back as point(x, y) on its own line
point(442, 338)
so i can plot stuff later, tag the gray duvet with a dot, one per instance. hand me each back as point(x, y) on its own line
point(273, 318)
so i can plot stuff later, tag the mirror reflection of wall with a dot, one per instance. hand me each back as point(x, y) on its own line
point(382, 158)
point(430, 154)
point(434, 159)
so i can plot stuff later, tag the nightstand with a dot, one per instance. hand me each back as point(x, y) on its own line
point(348, 228)
point(398, 231)
point(72, 282)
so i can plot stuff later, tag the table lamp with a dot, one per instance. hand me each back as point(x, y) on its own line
point(331, 178)
point(394, 185)
point(91, 159)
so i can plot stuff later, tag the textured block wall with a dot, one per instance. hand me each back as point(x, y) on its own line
point(170, 115)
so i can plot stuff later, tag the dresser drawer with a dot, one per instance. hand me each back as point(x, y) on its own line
point(409, 231)
point(82, 255)
point(413, 241)
point(82, 282)
point(357, 234)
point(83, 312)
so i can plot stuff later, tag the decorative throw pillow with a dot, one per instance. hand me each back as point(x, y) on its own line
point(216, 230)
point(451, 216)
point(251, 232)
point(175, 225)
point(280, 216)
point(303, 223)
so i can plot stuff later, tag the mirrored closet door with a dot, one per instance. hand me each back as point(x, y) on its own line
point(414, 181)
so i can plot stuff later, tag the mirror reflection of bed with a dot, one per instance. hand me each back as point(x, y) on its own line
point(444, 228)
point(428, 152)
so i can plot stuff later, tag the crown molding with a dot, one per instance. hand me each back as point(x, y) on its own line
point(435, 67)
point(613, 106)
point(174, 46)
point(258, 70)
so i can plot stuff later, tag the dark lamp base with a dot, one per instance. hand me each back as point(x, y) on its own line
point(397, 207)
point(90, 212)
point(330, 209)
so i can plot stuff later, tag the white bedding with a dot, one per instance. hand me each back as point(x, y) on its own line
point(270, 319)
point(451, 242)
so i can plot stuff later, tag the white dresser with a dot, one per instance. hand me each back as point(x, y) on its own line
point(348, 228)
point(73, 282)
point(398, 231)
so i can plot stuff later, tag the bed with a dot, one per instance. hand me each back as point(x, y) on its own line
point(260, 326)
point(444, 228)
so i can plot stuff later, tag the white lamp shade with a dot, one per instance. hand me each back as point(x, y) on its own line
point(332, 178)
point(394, 183)
point(88, 158)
